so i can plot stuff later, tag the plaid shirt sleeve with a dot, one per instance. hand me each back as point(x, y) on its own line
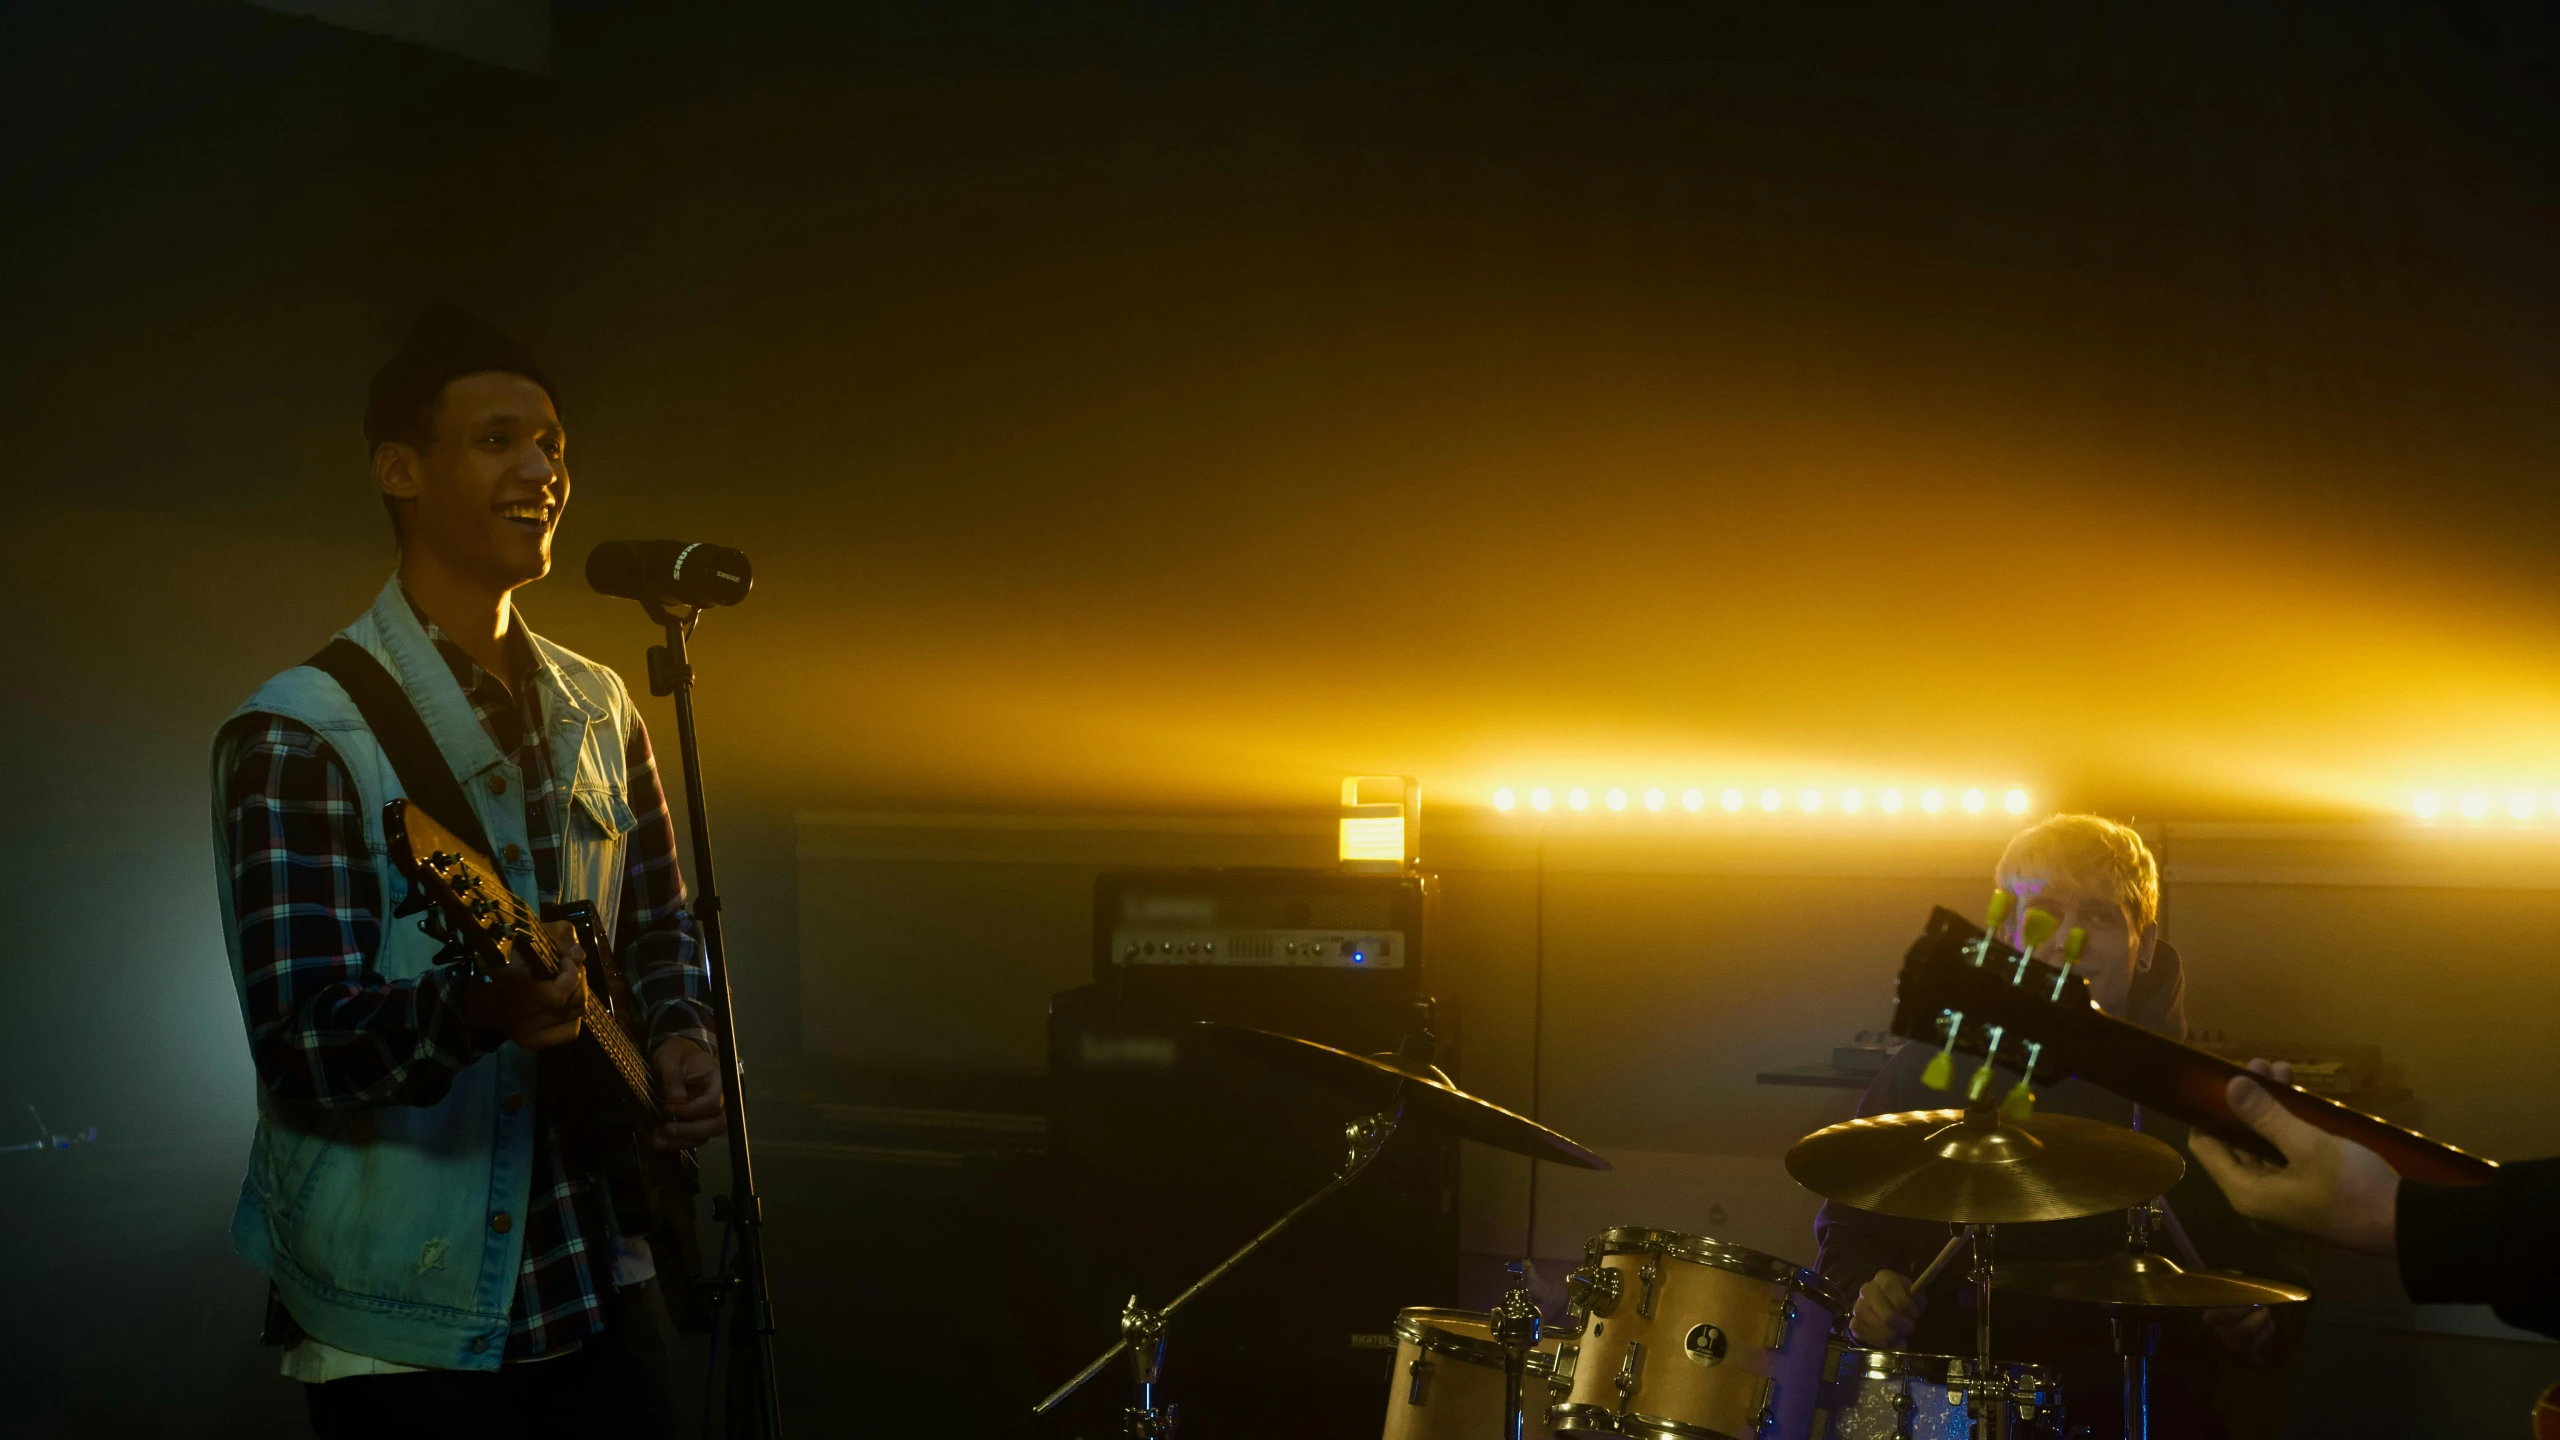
point(322, 1025)
point(661, 948)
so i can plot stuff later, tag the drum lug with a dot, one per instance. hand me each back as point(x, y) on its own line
point(1418, 1381)
point(1764, 1411)
point(1630, 1375)
point(1568, 1361)
point(1780, 1317)
point(1594, 1290)
point(1650, 1276)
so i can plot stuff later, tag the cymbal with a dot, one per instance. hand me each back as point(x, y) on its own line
point(1428, 1096)
point(2142, 1279)
point(1974, 1168)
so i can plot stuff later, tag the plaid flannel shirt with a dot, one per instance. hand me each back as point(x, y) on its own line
point(323, 1027)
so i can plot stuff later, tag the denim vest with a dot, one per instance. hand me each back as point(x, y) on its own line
point(376, 1224)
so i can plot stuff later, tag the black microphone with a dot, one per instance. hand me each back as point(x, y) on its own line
point(677, 572)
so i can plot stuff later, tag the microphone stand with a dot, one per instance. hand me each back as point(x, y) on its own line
point(751, 1355)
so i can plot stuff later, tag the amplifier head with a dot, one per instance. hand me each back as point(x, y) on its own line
point(1244, 928)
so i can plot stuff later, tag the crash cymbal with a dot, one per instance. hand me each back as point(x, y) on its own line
point(1973, 1168)
point(1429, 1097)
point(2144, 1280)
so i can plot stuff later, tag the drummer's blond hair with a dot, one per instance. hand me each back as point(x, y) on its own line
point(2090, 852)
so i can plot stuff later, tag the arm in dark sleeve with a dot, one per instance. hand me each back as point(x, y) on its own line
point(323, 1027)
point(2497, 1244)
point(661, 947)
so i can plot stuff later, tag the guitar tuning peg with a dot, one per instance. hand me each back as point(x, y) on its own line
point(2019, 1104)
point(1981, 1083)
point(2074, 945)
point(2037, 927)
point(1941, 1071)
point(1997, 910)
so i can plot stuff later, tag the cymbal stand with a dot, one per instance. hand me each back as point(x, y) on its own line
point(2137, 1336)
point(1515, 1329)
point(1987, 1403)
point(1142, 1329)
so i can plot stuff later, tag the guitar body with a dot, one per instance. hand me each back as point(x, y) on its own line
point(2018, 1011)
point(599, 1089)
point(2546, 1415)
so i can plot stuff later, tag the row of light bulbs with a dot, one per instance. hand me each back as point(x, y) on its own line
point(1769, 800)
point(2475, 806)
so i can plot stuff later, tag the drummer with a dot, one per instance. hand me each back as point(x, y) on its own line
point(2098, 876)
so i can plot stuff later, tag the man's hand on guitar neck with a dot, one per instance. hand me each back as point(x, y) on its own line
point(533, 1012)
point(2328, 1188)
point(689, 1091)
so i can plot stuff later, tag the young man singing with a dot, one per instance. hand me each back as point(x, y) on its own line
point(2097, 876)
point(443, 1257)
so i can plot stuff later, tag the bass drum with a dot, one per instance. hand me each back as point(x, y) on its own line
point(1447, 1383)
point(1897, 1395)
point(1683, 1337)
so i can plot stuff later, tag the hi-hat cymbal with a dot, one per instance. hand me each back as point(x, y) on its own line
point(2142, 1279)
point(1428, 1096)
point(1973, 1168)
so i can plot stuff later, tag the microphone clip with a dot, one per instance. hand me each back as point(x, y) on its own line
point(665, 673)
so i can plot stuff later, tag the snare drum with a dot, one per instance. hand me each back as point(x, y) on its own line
point(1447, 1383)
point(1688, 1338)
point(1895, 1395)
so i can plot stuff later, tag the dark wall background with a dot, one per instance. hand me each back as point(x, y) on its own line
point(1159, 406)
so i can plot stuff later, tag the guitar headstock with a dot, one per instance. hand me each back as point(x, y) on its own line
point(1968, 992)
point(460, 892)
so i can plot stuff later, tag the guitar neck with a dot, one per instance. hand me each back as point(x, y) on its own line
point(2163, 1074)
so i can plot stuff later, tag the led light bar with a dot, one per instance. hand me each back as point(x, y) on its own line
point(1846, 801)
point(2486, 806)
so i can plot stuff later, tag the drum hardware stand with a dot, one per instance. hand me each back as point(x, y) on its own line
point(1986, 1407)
point(2137, 1333)
point(754, 1405)
point(1142, 1329)
point(1515, 1329)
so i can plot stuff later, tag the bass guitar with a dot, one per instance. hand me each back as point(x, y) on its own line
point(599, 1089)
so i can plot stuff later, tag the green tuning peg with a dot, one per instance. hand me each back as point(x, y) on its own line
point(1981, 1083)
point(1941, 1070)
point(2019, 1104)
point(2074, 945)
point(2038, 927)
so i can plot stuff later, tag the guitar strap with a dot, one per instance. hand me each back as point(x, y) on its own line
point(403, 737)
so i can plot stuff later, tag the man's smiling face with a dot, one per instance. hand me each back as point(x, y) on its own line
point(487, 492)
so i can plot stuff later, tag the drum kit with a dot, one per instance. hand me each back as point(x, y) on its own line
point(1672, 1336)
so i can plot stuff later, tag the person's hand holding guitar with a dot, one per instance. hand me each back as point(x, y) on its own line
point(2328, 1187)
point(517, 1002)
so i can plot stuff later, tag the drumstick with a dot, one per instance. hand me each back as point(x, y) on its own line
point(1945, 1255)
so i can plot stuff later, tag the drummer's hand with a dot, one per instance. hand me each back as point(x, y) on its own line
point(2332, 1189)
point(2248, 1331)
point(1885, 1312)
